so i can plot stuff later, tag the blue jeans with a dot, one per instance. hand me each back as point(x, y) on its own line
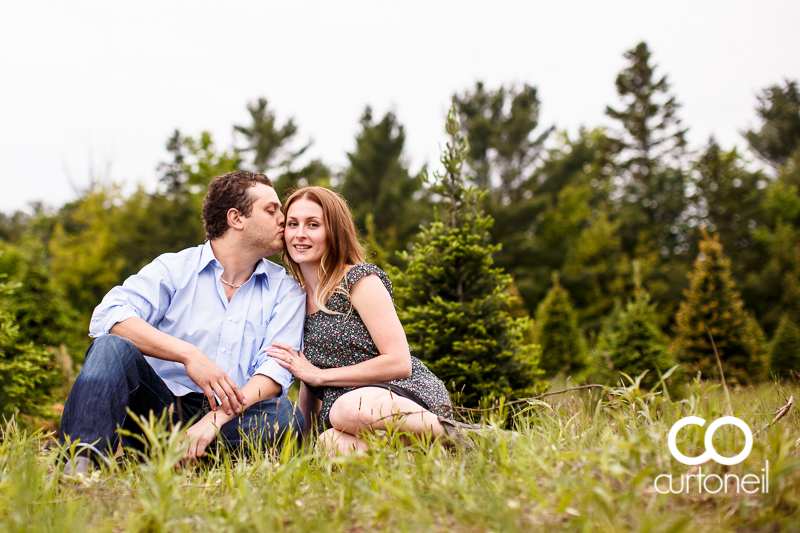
point(116, 376)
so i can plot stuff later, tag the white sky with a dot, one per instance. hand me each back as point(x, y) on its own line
point(97, 84)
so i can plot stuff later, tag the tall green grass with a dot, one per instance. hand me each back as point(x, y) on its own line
point(583, 461)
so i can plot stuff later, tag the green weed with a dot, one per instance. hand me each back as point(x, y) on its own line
point(582, 461)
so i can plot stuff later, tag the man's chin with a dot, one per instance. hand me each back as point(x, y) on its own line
point(273, 250)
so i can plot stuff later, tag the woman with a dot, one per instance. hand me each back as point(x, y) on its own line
point(357, 371)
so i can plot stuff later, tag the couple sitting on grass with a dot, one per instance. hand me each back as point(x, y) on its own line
point(214, 336)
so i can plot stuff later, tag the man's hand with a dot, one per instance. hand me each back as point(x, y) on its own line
point(211, 379)
point(199, 436)
point(200, 368)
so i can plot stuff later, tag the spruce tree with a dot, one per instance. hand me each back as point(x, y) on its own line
point(454, 305)
point(729, 198)
point(378, 183)
point(266, 143)
point(712, 302)
point(650, 177)
point(557, 333)
point(651, 143)
point(506, 146)
point(27, 371)
point(779, 135)
point(633, 343)
point(37, 306)
point(785, 349)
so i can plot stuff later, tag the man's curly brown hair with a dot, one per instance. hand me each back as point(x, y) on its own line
point(226, 192)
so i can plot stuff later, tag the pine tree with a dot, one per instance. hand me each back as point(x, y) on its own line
point(562, 343)
point(651, 143)
point(712, 302)
point(378, 183)
point(37, 306)
point(779, 135)
point(499, 126)
point(506, 145)
point(27, 372)
point(785, 348)
point(633, 343)
point(729, 198)
point(265, 142)
point(455, 306)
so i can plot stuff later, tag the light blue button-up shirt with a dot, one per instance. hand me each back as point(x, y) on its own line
point(181, 295)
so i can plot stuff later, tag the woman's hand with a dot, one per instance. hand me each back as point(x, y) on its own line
point(298, 365)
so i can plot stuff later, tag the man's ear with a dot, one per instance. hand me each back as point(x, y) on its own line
point(235, 219)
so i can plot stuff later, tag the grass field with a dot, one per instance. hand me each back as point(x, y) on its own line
point(581, 461)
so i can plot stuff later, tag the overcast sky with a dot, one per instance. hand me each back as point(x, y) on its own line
point(103, 84)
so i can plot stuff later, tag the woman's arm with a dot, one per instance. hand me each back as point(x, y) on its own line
point(374, 304)
point(309, 405)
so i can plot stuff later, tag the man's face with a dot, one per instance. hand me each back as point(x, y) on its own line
point(263, 229)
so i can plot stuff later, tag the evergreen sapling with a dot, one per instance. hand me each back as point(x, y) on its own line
point(562, 343)
point(633, 343)
point(713, 302)
point(785, 349)
point(455, 306)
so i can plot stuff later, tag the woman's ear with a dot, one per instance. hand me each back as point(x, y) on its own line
point(235, 219)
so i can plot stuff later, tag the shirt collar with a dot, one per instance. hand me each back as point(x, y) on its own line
point(207, 256)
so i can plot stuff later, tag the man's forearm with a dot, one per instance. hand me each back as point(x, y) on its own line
point(258, 388)
point(153, 342)
point(199, 368)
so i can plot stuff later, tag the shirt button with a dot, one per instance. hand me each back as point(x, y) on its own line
point(223, 350)
point(229, 318)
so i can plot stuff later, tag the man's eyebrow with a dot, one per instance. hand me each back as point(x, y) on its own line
point(274, 204)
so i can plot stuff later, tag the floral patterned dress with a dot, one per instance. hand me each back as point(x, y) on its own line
point(334, 341)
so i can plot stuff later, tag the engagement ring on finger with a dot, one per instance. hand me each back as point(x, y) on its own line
point(290, 360)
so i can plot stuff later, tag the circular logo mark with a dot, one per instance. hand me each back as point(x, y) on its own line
point(710, 452)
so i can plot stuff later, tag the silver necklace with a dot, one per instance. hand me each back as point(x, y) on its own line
point(229, 284)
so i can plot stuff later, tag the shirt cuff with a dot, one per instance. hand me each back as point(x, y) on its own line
point(280, 375)
point(103, 324)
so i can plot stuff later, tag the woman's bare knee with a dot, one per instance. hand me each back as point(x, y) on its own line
point(347, 413)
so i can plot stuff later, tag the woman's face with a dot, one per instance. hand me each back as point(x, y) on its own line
point(305, 235)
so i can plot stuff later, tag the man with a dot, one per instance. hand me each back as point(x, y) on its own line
point(189, 331)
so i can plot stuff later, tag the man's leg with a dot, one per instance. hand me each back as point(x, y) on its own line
point(114, 376)
point(263, 424)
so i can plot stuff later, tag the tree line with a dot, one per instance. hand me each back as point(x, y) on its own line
point(630, 250)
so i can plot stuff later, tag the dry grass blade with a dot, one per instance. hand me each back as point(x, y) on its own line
point(780, 413)
point(721, 373)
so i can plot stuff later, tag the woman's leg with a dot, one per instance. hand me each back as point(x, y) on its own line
point(335, 442)
point(372, 408)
